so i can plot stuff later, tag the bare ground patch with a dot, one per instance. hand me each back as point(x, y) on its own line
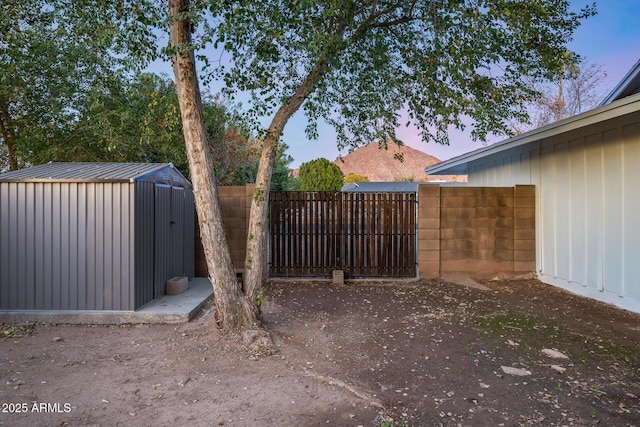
point(419, 353)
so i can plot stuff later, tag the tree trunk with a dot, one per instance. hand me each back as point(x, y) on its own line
point(234, 313)
point(255, 261)
point(8, 134)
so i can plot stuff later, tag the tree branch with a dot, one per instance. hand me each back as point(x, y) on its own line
point(9, 135)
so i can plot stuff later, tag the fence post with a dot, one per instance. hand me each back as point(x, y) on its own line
point(428, 231)
point(524, 230)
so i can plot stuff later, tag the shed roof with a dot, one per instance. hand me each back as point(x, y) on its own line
point(163, 173)
point(459, 165)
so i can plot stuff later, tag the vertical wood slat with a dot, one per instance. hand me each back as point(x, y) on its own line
point(365, 234)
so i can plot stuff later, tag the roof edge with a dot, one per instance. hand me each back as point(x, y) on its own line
point(102, 172)
point(458, 165)
point(623, 84)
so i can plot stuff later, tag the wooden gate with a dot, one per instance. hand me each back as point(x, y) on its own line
point(363, 234)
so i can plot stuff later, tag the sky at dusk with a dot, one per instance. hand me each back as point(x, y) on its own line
point(610, 39)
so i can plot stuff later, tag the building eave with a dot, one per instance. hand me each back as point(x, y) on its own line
point(629, 85)
point(459, 165)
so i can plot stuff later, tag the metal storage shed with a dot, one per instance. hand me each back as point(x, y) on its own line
point(93, 236)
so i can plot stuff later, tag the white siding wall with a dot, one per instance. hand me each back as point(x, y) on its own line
point(588, 206)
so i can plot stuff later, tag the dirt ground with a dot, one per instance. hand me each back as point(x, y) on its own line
point(423, 353)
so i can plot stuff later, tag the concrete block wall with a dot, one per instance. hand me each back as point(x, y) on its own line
point(524, 234)
point(429, 231)
point(480, 232)
point(236, 207)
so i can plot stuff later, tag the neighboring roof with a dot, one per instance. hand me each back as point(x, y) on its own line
point(458, 165)
point(629, 85)
point(163, 173)
point(382, 187)
point(391, 187)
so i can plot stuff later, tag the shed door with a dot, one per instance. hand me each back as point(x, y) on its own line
point(169, 236)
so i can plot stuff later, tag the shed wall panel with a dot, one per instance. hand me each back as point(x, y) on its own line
point(29, 243)
point(162, 248)
point(65, 241)
point(20, 248)
point(39, 243)
point(81, 244)
point(107, 248)
point(189, 233)
point(47, 284)
point(144, 242)
point(61, 246)
point(176, 242)
point(92, 251)
point(73, 253)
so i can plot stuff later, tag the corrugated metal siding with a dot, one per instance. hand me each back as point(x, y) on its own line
point(162, 245)
point(189, 254)
point(65, 250)
point(144, 242)
point(176, 229)
point(92, 245)
point(587, 209)
point(174, 234)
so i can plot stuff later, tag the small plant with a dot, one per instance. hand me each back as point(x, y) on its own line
point(392, 423)
point(258, 195)
point(526, 346)
point(8, 330)
point(559, 387)
point(261, 299)
point(469, 349)
point(596, 393)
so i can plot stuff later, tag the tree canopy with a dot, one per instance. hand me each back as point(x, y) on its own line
point(354, 177)
point(576, 92)
point(361, 64)
point(48, 60)
point(69, 91)
point(320, 175)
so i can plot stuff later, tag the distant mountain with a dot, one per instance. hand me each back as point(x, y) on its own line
point(380, 165)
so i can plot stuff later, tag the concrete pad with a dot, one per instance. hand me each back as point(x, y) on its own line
point(168, 309)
